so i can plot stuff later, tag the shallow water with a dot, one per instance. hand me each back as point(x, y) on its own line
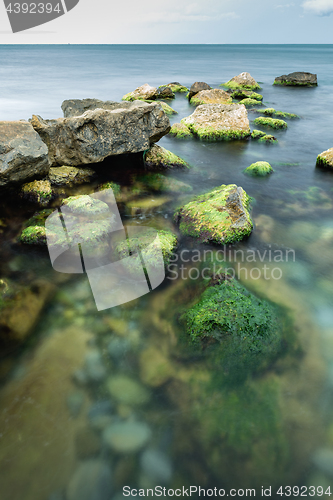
point(272, 430)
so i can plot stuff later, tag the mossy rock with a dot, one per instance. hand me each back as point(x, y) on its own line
point(161, 183)
point(242, 81)
point(64, 175)
point(211, 96)
point(33, 235)
point(116, 188)
point(159, 158)
point(249, 102)
point(256, 134)
point(268, 139)
point(247, 328)
point(168, 110)
point(325, 159)
point(277, 114)
point(180, 131)
point(259, 169)
point(176, 87)
point(39, 192)
point(85, 205)
point(271, 122)
point(246, 94)
point(220, 216)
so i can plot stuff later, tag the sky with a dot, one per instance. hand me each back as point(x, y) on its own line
point(185, 21)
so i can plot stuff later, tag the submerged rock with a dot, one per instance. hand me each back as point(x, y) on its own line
point(325, 159)
point(213, 96)
point(155, 368)
point(249, 103)
point(298, 78)
point(23, 155)
point(159, 182)
point(99, 133)
point(60, 176)
point(214, 122)
point(271, 122)
point(127, 390)
point(141, 93)
point(127, 437)
point(91, 480)
point(156, 465)
point(38, 192)
point(242, 81)
point(159, 158)
point(263, 137)
point(259, 169)
point(247, 328)
point(197, 87)
point(180, 131)
point(176, 87)
point(220, 216)
point(277, 114)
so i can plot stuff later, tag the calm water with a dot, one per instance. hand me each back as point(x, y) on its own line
point(273, 430)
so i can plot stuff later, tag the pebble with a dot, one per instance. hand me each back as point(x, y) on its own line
point(156, 465)
point(118, 347)
point(127, 437)
point(94, 366)
point(87, 443)
point(90, 481)
point(74, 403)
point(128, 391)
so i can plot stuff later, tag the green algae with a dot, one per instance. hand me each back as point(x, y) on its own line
point(116, 188)
point(271, 122)
point(180, 131)
point(237, 86)
point(33, 235)
point(220, 216)
point(244, 94)
point(256, 134)
point(278, 114)
point(249, 102)
point(158, 157)
point(39, 192)
point(175, 88)
point(85, 205)
point(259, 169)
point(161, 183)
point(168, 110)
point(211, 134)
point(268, 139)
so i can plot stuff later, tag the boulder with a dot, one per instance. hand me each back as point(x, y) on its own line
point(325, 159)
point(99, 133)
point(244, 94)
point(242, 81)
point(176, 87)
point(196, 87)
point(250, 103)
point(38, 192)
point(219, 216)
point(214, 122)
point(298, 79)
point(76, 107)
point(60, 176)
point(23, 155)
point(213, 96)
point(168, 110)
point(165, 93)
point(141, 93)
point(158, 158)
point(259, 169)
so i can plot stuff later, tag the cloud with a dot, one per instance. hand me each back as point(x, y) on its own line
point(319, 7)
point(192, 13)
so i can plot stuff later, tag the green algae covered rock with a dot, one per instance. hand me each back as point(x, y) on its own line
point(263, 137)
point(141, 93)
point(175, 87)
point(159, 182)
point(271, 122)
point(212, 96)
point(245, 94)
point(70, 175)
point(277, 114)
point(168, 110)
point(159, 158)
point(325, 159)
point(180, 131)
point(218, 122)
point(116, 188)
point(297, 78)
point(247, 328)
point(249, 102)
point(220, 216)
point(33, 235)
point(259, 169)
point(242, 81)
point(85, 205)
point(256, 134)
point(39, 192)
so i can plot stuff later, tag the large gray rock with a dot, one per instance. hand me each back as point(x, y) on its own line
point(23, 155)
point(96, 134)
point(76, 107)
point(298, 78)
point(196, 87)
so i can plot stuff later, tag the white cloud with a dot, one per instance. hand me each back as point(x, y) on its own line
point(188, 16)
point(319, 7)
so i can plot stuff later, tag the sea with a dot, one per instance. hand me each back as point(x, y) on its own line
point(104, 405)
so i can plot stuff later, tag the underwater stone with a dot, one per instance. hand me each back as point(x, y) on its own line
point(94, 367)
point(127, 437)
point(270, 122)
point(127, 390)
point(156, 465)
point(219, 216)
point(91, 480)
point(39, 192)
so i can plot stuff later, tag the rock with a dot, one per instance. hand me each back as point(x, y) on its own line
point(117, 348)
point(102, 407)
point(156, 465)
point(20, 308)
point(148, 205)
point(75, 402)
point(165, 93)
point(276, 114)
point(245, 94)
point(180, 131)
point(298, 78)
point(99, 133)
point(60, 176)
point(263, 137)
point(159, 158)
point(87, 443)
point(23, 155)
point(168, 110)
point(271, 122)
point(142, 93)
point(246, 330)
point(76, 107)
point(155, 368)
point(176, 87)
point(94, 367)
point(159, 182)
point(127, 437)
point(249, 103)
point(38, 192)
point(325, 159)
point(259, 169)
point(196, 87)
point(91, 481)
point(242, 81)
point(214, 122)
point(126, 390)
point(213, 96)
point(220, 216)
point(33, 235)
point(323, 460)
